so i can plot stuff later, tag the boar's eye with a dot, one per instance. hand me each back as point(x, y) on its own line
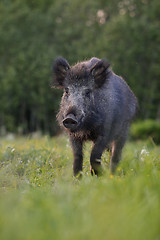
point(66, 91)
point(88, 93)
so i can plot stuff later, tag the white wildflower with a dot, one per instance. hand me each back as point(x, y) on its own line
point(143, 154)
point(13, 149)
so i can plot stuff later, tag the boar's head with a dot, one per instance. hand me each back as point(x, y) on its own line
point(78, 110)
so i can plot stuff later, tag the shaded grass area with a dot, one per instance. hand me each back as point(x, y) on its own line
point(39, 198)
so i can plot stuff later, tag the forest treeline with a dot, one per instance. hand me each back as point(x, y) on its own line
point(33, 33)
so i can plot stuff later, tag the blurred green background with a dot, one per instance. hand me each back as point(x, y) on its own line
point(33, 33)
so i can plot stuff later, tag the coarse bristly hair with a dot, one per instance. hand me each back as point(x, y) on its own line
point(60, 68)
point(97, 105)
point(82, 70)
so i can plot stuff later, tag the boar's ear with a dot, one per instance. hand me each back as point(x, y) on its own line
point(99, 71)
point(60, 68)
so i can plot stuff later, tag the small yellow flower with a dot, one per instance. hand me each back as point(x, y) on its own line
point(131, 169)
point(111, 176)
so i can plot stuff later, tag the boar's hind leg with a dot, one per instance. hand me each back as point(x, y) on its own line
point(117, 146)
point(78, 155)
point(95, 159)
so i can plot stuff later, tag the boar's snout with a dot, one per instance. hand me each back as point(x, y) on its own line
point(70, 121)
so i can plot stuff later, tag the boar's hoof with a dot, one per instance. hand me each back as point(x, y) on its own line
point(70, 122)
point(96, 169)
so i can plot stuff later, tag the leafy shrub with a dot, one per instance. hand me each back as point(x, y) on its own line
point(146, 129)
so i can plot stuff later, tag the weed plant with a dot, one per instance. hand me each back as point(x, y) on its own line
point(40, 199)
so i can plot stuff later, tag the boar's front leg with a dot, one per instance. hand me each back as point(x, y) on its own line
point(95, 159)
point(77, 154)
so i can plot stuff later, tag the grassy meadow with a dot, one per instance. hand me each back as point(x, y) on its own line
point(40, 199)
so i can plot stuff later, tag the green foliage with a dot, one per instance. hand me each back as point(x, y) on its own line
point(146, 129)
point(33, 33)
point(26, 58)
point(137, 54)
point(39, 198)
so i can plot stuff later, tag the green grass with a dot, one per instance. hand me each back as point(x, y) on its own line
point(39, 198)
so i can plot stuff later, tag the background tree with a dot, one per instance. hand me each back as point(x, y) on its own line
point(33, 33)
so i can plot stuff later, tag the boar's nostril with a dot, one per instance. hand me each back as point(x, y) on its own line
point(70, 121)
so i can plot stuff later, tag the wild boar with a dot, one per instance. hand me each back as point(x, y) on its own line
point(97, 105)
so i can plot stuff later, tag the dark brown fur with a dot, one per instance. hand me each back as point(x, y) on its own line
point(97, 105)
